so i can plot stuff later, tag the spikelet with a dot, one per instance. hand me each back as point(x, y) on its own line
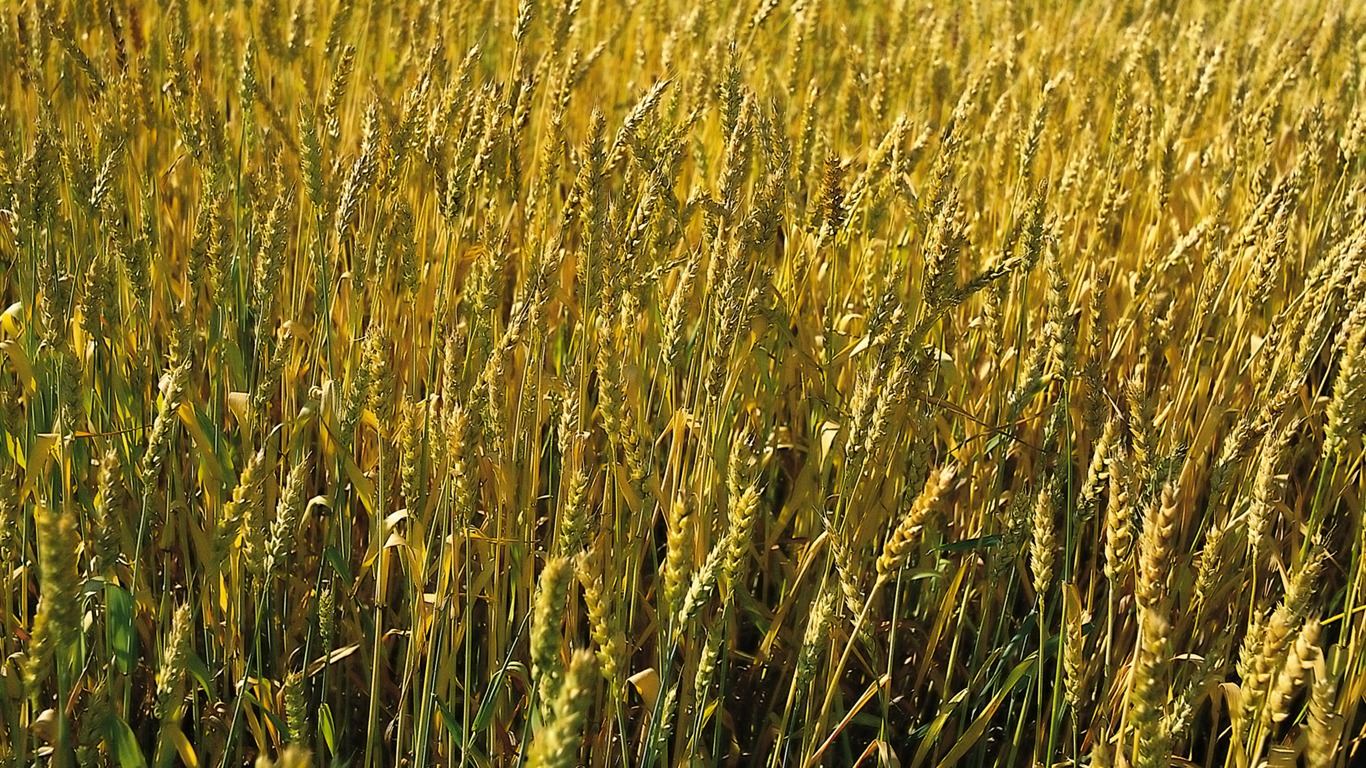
point(552, 599)
point(284, 529)
point(573, 517)
point(327, 615)
point(1155, 549)
point(557, 744)
point(1324, 720)
point(1293, 674)
point(1033, 380)
point(311, 158)
point(678, 549)
point(57, 625)
point(847, 571)
point(10, 509)
point(890, 395)
point(832, 199)
point(108, 520)
point(296, 714)
point(63, 32)
point(1149, 693)
point(1013, 521)
point(171, 673)
point(526, 13)
point(730, 92)
point(591, 188)
point(359, 179)
point(366, 388)
point(1036, 225)
point(1208, 672)
point(336, 92)
point(618, 417)
point(603, 621)
point(814, 640)
point(71, 413)
point(1139, 419)
point(630, 127)
point(411, 438)
point(1252, 690)
point(705, 673)
point(1119, 520)
point(294, 41)
point(336, 32)
point(1060, 327)
point(1266, 488)
point(1030, 148)
point(159, 440)
point(1244, 437)
point(739, 535)
point(99, 305)
point(564, 21)
point(900, 544)
point(701, 587)
point(1043, 543)
point(942, 250)
point(731, 314)
point(1074, 659)
point(861, 405)
point(1212, 564)
point(1098, 472)
point(1269, 639)
point(247, 88)
point(671, 344)
point(1347, 409)
point(244, 516)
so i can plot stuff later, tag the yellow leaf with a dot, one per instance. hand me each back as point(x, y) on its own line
point(184, 749)
point(331, 658)
point(849, 716)
point(240, 405)
point(201, 440)
point(37, 462)
point(828, 431)
point(362, 485)
point(948, 369)
point(626, 488)
point(646, 683)
point(22, 368)
point(45, 725)
point(1071, 602)
point(12, 319)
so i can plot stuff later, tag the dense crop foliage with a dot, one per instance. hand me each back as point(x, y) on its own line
point(659, 383)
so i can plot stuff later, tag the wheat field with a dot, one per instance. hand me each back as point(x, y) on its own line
point(656, 383)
